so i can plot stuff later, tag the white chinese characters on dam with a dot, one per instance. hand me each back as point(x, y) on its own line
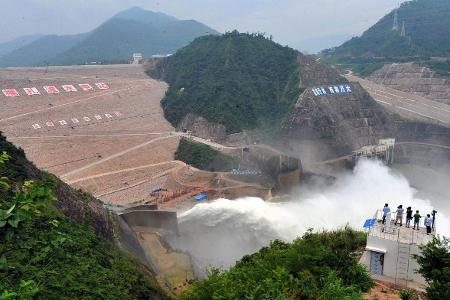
point(332, 89)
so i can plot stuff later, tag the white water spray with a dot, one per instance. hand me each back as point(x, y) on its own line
point(221, 232)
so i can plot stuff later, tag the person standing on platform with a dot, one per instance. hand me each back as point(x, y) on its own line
point(386, 211)
point(433, 214)
point(417, 217)
point(428, 223)
point(399, 216)
point(408, 216)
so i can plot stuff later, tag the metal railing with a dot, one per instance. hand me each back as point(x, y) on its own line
point(401, 234)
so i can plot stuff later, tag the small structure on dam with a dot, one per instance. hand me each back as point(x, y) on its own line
point(383, 151)
point(390, 249)
point(285, 171)
point(150, 216)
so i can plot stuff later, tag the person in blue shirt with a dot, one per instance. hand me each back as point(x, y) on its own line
point(386, 211)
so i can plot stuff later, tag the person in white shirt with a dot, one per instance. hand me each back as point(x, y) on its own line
point(399, 216)
point(386, 211)
point(428, 223)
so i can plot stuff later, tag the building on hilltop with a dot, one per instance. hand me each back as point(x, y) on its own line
point(137, 58)
point(390, 250)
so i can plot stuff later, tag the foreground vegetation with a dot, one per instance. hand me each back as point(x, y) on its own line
point(45, 255)
point(316, 266)
point(242, 81)
point(434, 262)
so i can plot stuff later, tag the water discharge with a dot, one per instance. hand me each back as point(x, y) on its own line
point(221, 232)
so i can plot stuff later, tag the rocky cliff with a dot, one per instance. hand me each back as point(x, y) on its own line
point(335, 123)
point(414, 78)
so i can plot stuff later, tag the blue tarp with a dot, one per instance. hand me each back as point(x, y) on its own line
point(369, 223)
point(200, 197)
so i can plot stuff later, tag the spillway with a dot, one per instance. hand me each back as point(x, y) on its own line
point(219, 233)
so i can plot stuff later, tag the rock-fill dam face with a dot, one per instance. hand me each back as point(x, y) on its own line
point(414, 78)
point(332, 122)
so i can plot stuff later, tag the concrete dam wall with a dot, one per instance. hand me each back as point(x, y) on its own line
point(156, 219)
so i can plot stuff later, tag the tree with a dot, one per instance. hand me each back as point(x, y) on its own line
point(434, 262)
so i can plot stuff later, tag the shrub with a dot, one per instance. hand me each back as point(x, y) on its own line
point(316, 266)
point(407, 294)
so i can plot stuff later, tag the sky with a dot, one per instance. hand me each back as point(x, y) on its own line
point(296, 23)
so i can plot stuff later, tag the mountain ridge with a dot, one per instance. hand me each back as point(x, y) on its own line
point(132, 30)
point(9, 46)
point(426, 35)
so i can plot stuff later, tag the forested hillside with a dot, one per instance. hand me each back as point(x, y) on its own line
point(241, 81)
point(427, 34)
point(44, 254)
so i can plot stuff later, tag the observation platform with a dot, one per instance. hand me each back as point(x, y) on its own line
point(391, 248)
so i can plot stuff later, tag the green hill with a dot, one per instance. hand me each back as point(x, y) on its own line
point(119, 38)
point(133, 30)
point(427, 34)
point(54, 243)
point(242, 81)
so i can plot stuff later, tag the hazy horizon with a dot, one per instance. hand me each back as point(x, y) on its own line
point(302, 24)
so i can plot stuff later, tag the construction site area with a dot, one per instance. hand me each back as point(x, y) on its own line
point(113, 142)
point(101, 129)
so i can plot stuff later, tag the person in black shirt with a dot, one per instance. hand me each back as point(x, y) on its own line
point(408, 216)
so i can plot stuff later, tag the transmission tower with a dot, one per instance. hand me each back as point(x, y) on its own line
point(403, 29)
point(395, 26)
